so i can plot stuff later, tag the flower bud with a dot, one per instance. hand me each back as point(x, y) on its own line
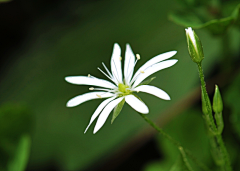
point(217, 101)
point(194, 46)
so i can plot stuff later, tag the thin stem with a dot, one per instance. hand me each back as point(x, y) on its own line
point(219, 121)
point(176, 143)
point(203, 86)
point(185, 160)
point(224, 152)
point(227, 163)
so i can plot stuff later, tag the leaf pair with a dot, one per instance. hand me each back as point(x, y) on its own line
point(198, 18)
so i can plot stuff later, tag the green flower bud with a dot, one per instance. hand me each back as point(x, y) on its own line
point(194, 46)
point(217, 101)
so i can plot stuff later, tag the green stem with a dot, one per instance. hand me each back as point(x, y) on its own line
point(224, 152)
point(227, 163)
point(185, 160)
point(219, 121)
point(177, 144)
point(203, 86)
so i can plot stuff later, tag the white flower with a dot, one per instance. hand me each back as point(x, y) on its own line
point(120, 88)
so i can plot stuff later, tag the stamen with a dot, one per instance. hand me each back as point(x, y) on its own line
point(110, 75)
point(137, 91)
point(91, 88)
point(104, 89)
point(107, 70)
point(89, 75)
point(105, 74)
point(120, 58)
point(138, 56)
point(99, 96)
point(142, 72)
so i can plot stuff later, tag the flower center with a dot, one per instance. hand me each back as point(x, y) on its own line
point(123, 88)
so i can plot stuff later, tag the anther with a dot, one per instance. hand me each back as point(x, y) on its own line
point(120, 58)
point(142, 72)
point(91, 88)
point(89, 75)
point(99, 96)
point(138, 56)
point(137, 91)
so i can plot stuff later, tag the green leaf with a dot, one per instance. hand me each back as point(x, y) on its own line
point(117, 110)
point(236, 15)
point(147, 81)
point(20, 160)
point(15, 121)
point(201, 19)
point(216, 26)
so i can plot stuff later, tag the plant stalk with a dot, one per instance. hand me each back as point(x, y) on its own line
point(227, 164)
point(182, 150)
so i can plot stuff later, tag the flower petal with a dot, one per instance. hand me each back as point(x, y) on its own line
point(105, 113)
point(153, 69)
point(116, 63)
point(98, 110)
point(154, 91)
point(136, 104)
point(83, 80)
point(88, 96)
point(128, 63)
point(155, 60)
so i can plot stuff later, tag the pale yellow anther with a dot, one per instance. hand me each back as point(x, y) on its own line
point(138, 56)
point(120, 58)
point(142, 72)
point(137, 91)
point(89, 75)
point(99, 96)
point(91, 88)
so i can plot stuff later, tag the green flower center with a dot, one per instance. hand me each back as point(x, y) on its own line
point(123, 88)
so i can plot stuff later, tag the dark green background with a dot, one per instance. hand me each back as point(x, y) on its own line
point(73, 38)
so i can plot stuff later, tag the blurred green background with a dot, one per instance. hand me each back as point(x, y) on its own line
point(42, 42)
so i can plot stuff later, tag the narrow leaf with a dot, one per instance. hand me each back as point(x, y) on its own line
point(117, 110)
point(20, 159)
point(147, 81)
point(200, 19)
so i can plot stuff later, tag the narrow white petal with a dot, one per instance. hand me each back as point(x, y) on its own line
point(105, 113)
point(154, 91)
point(128, 64)
point(190, 32)
point(84, 80)
point(155, 60)
point(153, 69)
point(88, 96)
point(98, 110)
point(116, 63)
point(136, 104)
